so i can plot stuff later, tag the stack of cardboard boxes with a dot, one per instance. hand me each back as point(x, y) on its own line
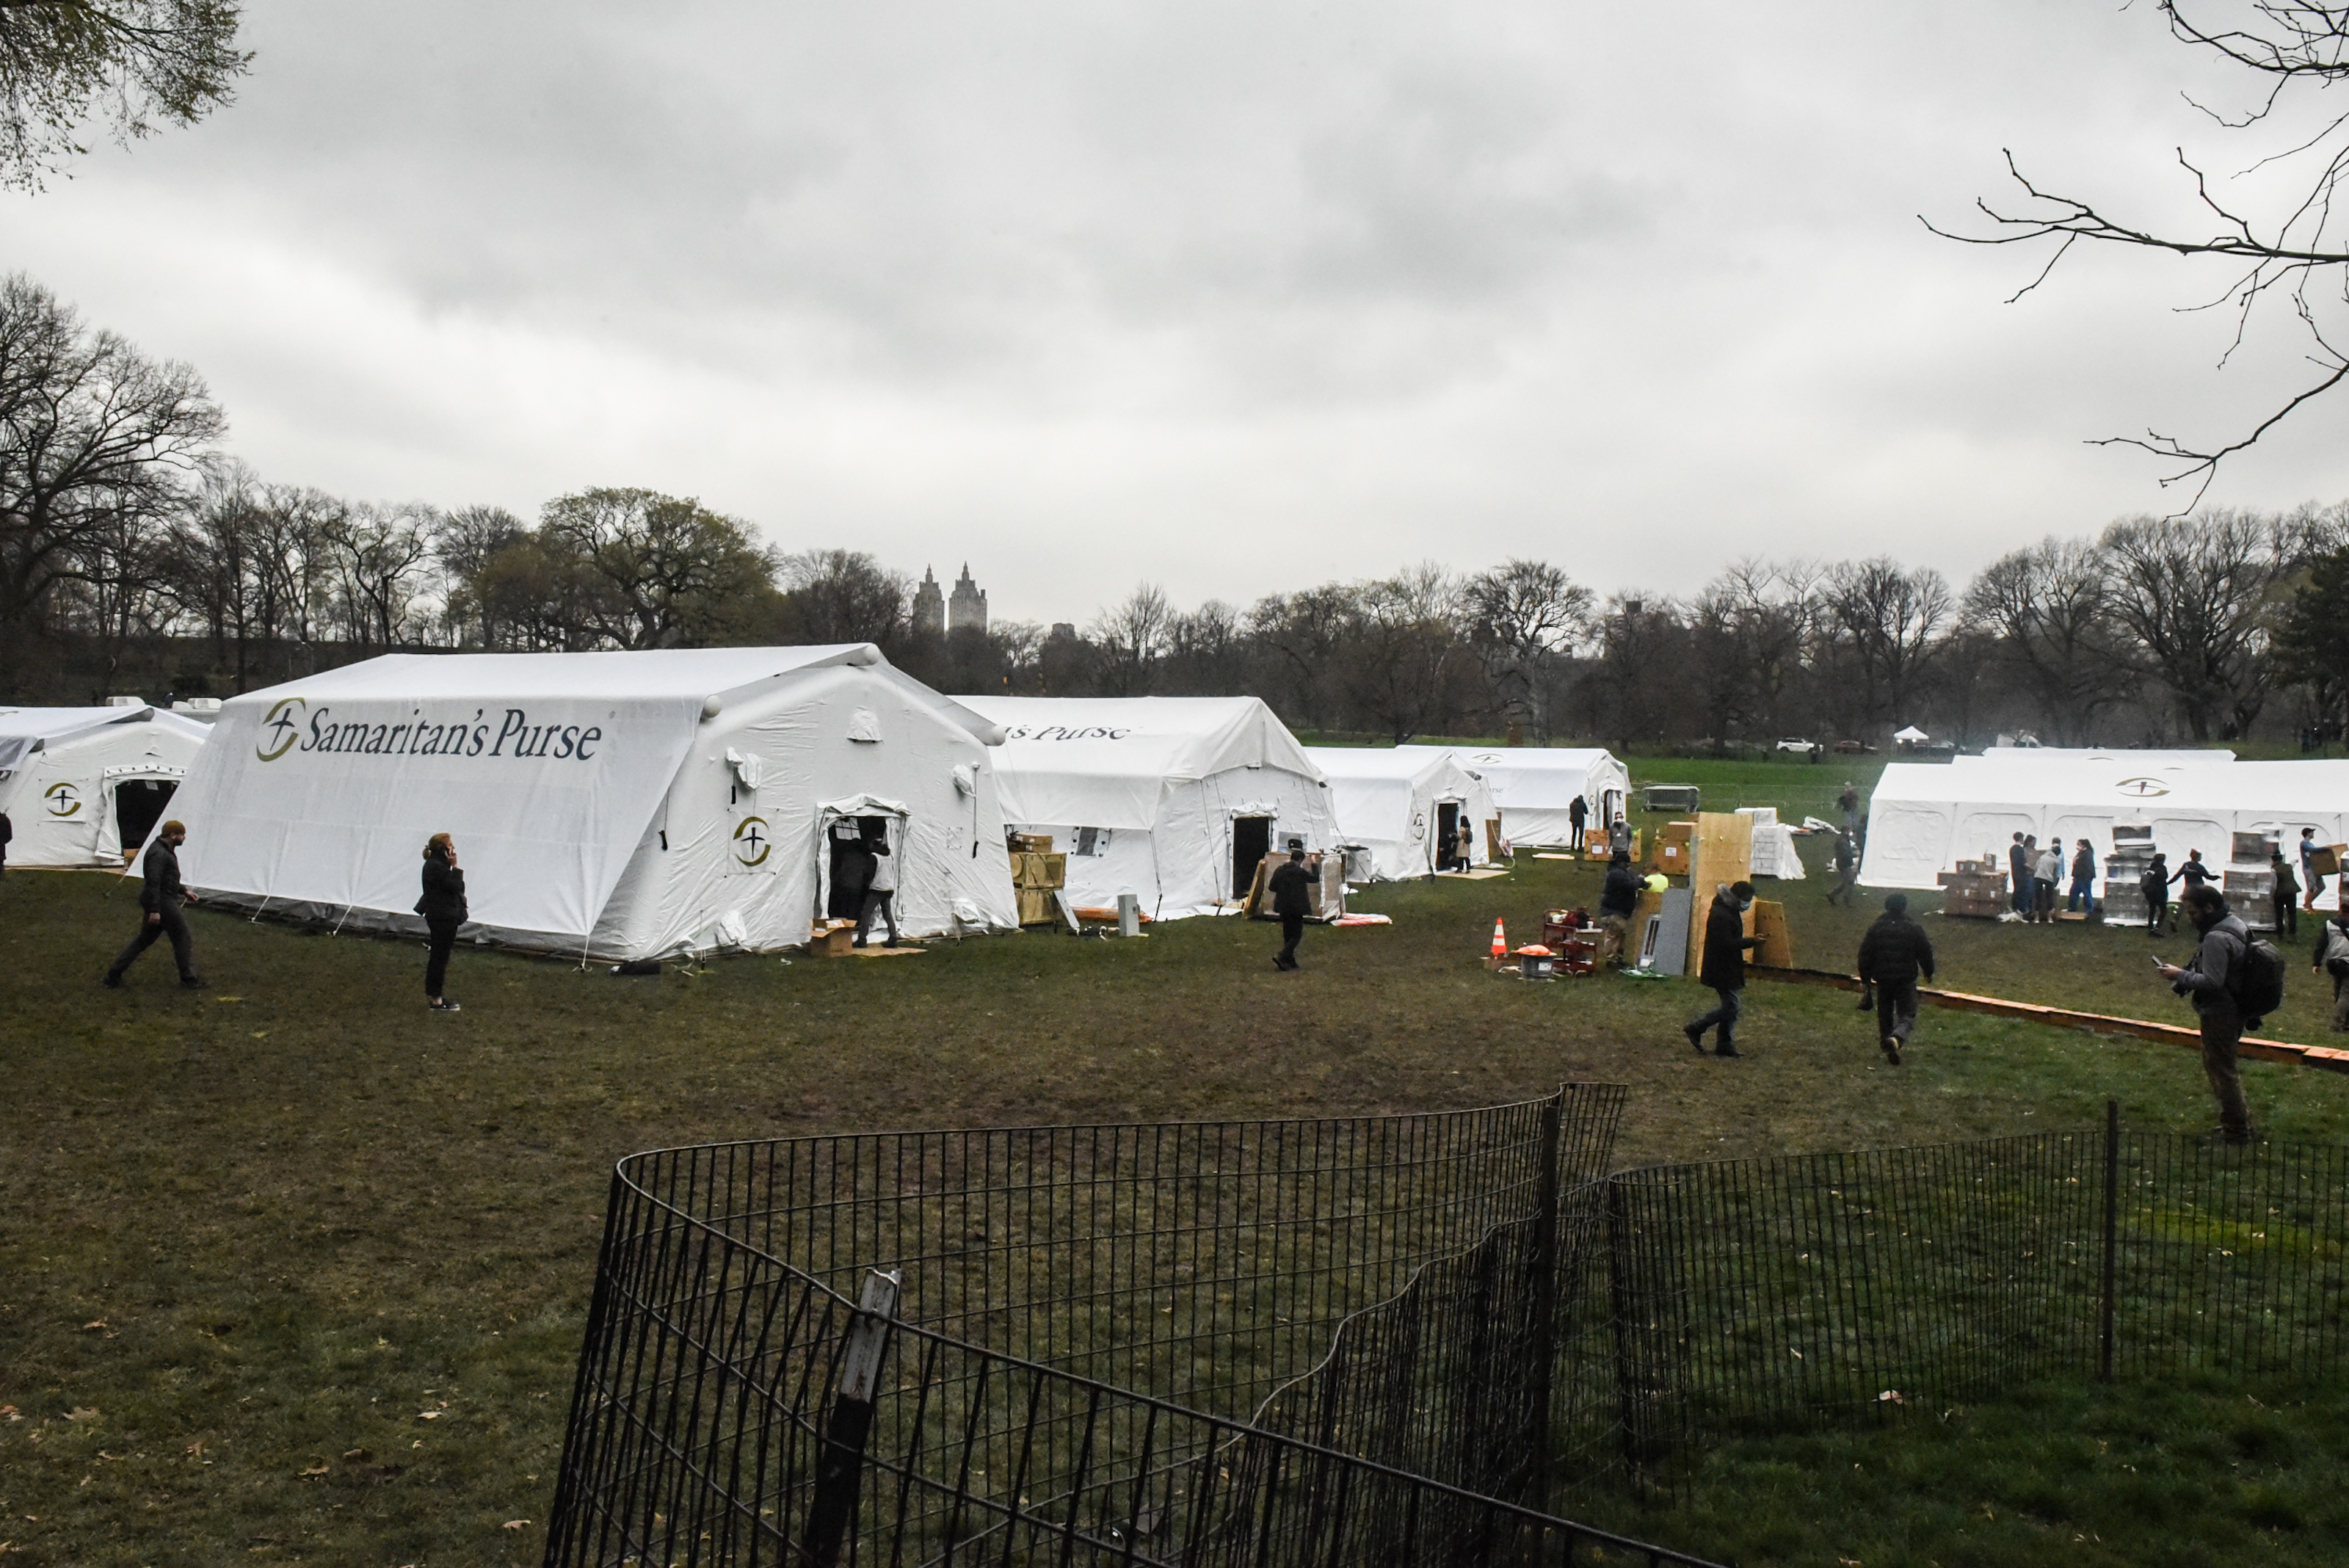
point(1977, 889)
point(2124, 869)
point(1037, 874)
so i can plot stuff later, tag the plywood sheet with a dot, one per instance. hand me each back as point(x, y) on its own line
point(1720, 852)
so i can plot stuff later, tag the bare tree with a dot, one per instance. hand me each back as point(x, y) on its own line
point(2198, 597)
point(844, 596)
point(2290, 250)
point(1639, 689)
point(1889, 620)
point(1305, 633)
point(2050, 609)
point(139, 62)
point(1133, 637)
point(377, 558)
point(464, 542)
point(94, 436)
point(1406, 656)
point(1525, 619)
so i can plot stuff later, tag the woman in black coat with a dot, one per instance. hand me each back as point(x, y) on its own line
point(443, 908)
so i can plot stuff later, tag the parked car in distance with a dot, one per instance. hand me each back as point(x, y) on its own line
point(1854, 749)
point(1791, 744)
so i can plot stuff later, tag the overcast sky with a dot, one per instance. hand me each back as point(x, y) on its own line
point(1231, 297)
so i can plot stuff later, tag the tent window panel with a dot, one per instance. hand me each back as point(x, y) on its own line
point(1089, 841)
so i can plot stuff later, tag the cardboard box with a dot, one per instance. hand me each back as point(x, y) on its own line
point(831, 939)
point(1036, 907)
point(1031, 844)
point(2325, 860)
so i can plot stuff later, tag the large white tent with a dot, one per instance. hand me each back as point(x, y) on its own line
point(79, 785)
point(1535, 788)
point(1925, 817)
point(623, 805)
point(1404, 807)
point(1172, 799)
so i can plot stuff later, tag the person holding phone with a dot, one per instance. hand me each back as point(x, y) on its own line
point(444, 910)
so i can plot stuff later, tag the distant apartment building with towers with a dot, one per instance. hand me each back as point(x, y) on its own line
point(938, 612)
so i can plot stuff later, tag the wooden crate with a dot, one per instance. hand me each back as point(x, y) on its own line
point(1767, 919)
point(1036, 907)
point(1031, 844)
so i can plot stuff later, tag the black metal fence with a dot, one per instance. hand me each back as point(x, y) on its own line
point(1368, 1340)
point(1756, 1290)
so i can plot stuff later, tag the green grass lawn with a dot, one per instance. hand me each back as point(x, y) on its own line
point(291, 1270)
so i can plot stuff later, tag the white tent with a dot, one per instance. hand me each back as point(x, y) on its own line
point(1172, 799)
point(1405, 806)
point(82, 785)
point(1534, 786)
point(1924, 818)
point(1908, 735)
point(622, 805)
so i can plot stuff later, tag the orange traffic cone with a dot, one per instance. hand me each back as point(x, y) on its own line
point(1500, 941)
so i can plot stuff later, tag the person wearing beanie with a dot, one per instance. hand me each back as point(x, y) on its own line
point(1619, 901)
point(1894, 955)
point(1723, 967)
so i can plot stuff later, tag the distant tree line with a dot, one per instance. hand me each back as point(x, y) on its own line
point(135, 555)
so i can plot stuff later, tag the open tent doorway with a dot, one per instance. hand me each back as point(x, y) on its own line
point(139, 806)
point(1251, 842)
point(846, 865)
point(1447, 835)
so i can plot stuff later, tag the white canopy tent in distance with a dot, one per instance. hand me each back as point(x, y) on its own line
point(1175, 800)
point(1402, 807)
point(618, 805)
point(1535, 788)
point(1925, 817)
point(83, 786)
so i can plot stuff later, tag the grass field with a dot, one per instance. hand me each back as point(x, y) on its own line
point(292, 1271)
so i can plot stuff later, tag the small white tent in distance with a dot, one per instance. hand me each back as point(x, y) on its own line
point(1535, 788)
point(1403, 807)
point(1175, 800)
point(80, 787)
point(1923, 818)
point(618, 805)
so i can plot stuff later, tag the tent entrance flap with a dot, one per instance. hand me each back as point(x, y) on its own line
point(1251, 842)
point(139, 806)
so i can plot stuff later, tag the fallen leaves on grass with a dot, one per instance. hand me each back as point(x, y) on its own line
point(321, 1468)
point(81, 1413)
point(515, 1524)
point(99, 1325)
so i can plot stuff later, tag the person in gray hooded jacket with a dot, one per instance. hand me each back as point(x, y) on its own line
point(2225, 940)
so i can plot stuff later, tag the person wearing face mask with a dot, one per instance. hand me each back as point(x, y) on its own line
point(1723, 967)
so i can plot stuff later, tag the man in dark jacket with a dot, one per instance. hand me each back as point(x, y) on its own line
point(2154, 886)
point(2283, 895)
point(160, 899)
point(2083, 896)
point(1894, 955)
point(1576, 814)
point(2332, 958)
point(1846, 866)
point(1290, 886)
point(1723, 967)
point(8, 831)
point(1619, 901)
point(2018, 865)
point(2208, 985)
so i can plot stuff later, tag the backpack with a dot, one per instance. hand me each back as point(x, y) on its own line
point(2257, 983)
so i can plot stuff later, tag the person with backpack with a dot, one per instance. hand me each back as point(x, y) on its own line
point(2154, 886)
point(1846, 866)
point(2235, 982)
point(2287, 889)
point(2333, 959)
point(1723, 968)
point(1894, 955)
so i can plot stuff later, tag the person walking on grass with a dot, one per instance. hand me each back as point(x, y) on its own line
point(444, 910)
point(1578, 812)
point(2046, 872)
point(2154, 886)
point(1723, 967)
point(1849, 801)
point(1289, 884)
point(1846, 866)
point(880, 891)
point(1619, 901)
point(2310, 882)
point(2287, 889)
point(2083, 896)
point(2018, 865)
point(1893, 957)
point(160, 898)
point(2194, 874)
point(2210, 986)
point(2333, 957)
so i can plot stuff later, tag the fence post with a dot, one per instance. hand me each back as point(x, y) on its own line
point(1619, 1292)
point(2112, 1235)
point(1545, 1298)
point(841, 1466)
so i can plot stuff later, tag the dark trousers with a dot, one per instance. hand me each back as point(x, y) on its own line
point(2341, 1004)
point(173, 925)
point(2287, 914)
point(1292, 931)
point(1847, 883)
point(2042, 900)
point(883, 904)
point(1733, 1003)
point(2222, 1031)
point(2082, 897)
point(2022, 900)
point(2156, 914)
point(436, 962)
point(1895, 1008)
